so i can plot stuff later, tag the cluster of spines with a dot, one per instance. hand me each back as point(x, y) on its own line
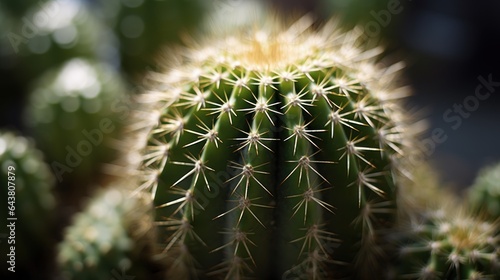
point(445, 244)
point(295, 158)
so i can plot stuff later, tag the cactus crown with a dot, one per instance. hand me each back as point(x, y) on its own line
point(274, 143)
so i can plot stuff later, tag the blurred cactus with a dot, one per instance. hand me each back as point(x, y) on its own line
point(437, 237)
point(57, 30)
point(18, 8)
point(143, 27)
point(112, 236)
point(449, 244)
point(73, 115)
point(275, 153)
point(484, 194)
point(27, 179)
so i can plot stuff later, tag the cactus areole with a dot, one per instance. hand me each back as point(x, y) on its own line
point(274, 154)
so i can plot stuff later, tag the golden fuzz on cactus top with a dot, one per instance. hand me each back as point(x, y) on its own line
point(274, 152)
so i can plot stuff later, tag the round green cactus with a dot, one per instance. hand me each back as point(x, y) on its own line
point(109, 239)
point(449, 244)
point(275, 153)
point(484, 194)
point(74, 114)
point(28, 212)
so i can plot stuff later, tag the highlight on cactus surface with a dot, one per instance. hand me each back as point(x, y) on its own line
point(274, 152)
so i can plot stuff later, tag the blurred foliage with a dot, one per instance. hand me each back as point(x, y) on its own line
point(484, 195)
point(143, 27)
point(19, 7)
point(56, 31)
point(62, 64)
point(73, 116)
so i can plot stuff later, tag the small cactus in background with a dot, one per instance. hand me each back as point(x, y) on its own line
point(484, 194)
point(73, 115)
point(111, 237)
point(54, 31)
point(275, 153)
point(26, 179)
point(449, 244)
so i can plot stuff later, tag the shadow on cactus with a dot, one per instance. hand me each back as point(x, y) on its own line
point(274, 153)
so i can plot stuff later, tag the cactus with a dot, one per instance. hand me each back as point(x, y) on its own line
point(274, 153)
point(449, 243)
point(110, 237)
point(73, 113)
point(484, 194)
point(27, 179)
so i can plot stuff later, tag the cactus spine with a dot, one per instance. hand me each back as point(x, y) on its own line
point(274, 154)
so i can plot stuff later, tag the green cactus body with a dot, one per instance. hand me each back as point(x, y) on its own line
point(73, 113)
point(111, 237)
point(26, 179)
point(484, 194)
point(274, 154)
point(448, 244)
